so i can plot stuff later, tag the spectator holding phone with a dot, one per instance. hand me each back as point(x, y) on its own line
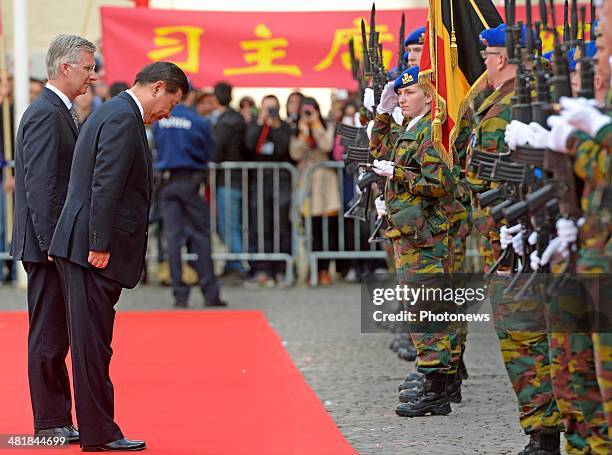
point(267, 140)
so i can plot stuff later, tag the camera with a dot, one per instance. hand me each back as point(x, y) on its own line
point(272, 112)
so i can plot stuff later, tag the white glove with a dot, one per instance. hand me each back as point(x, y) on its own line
point(539, 135)
point(388, 100)
point(533, 238)
point(383, 168)
point(567, 231)
point(554, 247)
point(582, 114)
point(357, 190)
point(381, 207)
point(559, 132)
point(506, 233)
point(357, 119)
point(368, 99)
point(397, 115)
point(517, 134)
point(517, 241)
point(369, 129)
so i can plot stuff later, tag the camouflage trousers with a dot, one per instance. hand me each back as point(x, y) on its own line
point(573, 373)
point(458, 336)
point(488, 243)
point(593, 261)
point(602, 345)
point(524, 348)
point(434, 353)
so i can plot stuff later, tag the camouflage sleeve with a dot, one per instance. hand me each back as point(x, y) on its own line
point(604, 136)
point(463, 139)
point(590, 158)
point(493, 130)
point(434, 178)
point(384, 136)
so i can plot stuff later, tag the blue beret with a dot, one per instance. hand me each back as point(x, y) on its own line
point(496, 37)
point(416, 37)
point(407, 78)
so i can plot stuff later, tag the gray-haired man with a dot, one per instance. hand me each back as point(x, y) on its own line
point(43, 156)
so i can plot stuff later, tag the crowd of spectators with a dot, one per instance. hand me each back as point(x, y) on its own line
point(257, 131)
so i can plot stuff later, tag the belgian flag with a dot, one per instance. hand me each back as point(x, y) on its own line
point(451, 64)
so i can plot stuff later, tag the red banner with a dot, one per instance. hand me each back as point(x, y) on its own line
point(246, 49)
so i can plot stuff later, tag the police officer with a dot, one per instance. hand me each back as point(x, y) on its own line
point(419, 188)
point(184, 146)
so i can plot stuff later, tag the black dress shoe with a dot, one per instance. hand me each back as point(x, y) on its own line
point(117, 446)
point(217, 302)
point(69, 432)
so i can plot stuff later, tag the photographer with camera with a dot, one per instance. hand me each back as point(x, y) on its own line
point(267, 140)
point(313, 143)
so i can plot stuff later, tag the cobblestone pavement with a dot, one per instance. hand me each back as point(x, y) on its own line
point(356, 375)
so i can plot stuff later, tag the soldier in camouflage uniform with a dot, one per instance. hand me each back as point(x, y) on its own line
point(419, 201)
point(524, 347)
point(573, 355)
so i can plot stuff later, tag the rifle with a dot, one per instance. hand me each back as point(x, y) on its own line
point(587, 70)
point(400, 51)
point(561, 75)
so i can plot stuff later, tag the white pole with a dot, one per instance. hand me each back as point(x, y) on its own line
point(21, 79)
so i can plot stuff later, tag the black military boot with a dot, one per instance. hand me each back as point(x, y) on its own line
point(400, 340)
point(432, 399)
point(407, 353)
point(461, 369)
point(543, 443)
point(453, 389)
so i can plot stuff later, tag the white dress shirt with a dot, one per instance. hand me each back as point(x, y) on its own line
point(129, 92)
point(59, 93)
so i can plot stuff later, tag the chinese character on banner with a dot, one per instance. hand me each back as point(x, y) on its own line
point(262, 53)
point(189, 42)
point(341, 39)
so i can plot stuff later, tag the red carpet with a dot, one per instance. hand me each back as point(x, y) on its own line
point(191, 383)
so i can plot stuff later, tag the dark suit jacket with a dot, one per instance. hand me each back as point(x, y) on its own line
point(43, 154)
point(109, 193)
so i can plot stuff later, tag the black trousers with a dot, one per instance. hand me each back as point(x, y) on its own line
point(275, 217)
point(47, 347)
point(184, 212)
point(91, 315)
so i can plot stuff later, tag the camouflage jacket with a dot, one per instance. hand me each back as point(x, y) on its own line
point(491, 119)
point(384, 135)
point(421, 195)
point(592, 163)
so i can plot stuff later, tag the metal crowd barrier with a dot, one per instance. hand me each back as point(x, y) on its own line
point(256, 176)
point(344, 250)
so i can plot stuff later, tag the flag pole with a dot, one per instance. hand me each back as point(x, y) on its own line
point(7, 139)
point(86, 17)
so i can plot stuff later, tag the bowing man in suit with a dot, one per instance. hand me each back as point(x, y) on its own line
point(101, 236)
point(43, 154)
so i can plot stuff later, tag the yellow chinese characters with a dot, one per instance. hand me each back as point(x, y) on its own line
point(262, 53)
point(341, 40)
point(169, 45)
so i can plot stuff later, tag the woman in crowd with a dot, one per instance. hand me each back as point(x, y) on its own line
point(312, 143)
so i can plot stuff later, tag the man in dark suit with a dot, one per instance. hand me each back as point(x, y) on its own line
point(43, 154)
point(101, 236)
